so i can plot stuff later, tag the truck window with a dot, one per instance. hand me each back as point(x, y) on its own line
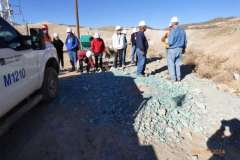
point(9, 37)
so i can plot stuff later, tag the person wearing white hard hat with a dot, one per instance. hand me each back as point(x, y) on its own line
point(98, 47)
point(124, 32)
point(118, 43)
point(142, 24)
point(69, 30)
point(72, 45)
point(96, 35)
point(58, 44)
point(177, 42)
point(133, 42)
point(55, 35)
point(87, 57)
point(141, 48)
point(118, 28)
point(174, 20)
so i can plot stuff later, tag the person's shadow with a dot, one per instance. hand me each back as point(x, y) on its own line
point(159, 70)
point(153, 59)
point(187, 69)
point(92, 119)
point(225, 143)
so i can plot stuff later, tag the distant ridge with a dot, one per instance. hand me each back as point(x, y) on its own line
point(213, 23)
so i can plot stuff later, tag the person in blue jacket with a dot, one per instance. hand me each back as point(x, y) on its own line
point(177, 42)
point(72, 45)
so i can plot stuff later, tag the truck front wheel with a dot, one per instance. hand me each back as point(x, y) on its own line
point(50, 84)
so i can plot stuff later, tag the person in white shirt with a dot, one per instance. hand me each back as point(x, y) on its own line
point(118, 42)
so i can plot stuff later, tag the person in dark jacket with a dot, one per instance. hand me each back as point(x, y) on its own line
point(124, 32)
point(58, 44)
point(141, 49)
point(133, 41)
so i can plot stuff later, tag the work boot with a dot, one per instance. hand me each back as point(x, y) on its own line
point(73, 66)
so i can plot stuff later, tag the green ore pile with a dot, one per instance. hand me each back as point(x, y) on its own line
point(169, 109)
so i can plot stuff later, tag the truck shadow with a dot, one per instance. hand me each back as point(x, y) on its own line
point(224, 144)
point(92, 119)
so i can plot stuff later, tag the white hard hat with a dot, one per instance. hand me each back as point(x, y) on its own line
point(69, 30)
point(135, 30)
point(174, 20)
point(124, 31)
point(89, 54)
point(55, 35)
point(96, 35)
point(142, 24)
point(117, 28)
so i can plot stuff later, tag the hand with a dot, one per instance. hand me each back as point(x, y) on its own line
point(166, 45)
point(144, 52)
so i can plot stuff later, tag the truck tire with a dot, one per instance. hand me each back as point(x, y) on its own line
point(49, 88)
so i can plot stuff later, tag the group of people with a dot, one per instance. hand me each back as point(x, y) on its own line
point(77, 56)
point(139, 47)
point(174, 40)
point(56, 41)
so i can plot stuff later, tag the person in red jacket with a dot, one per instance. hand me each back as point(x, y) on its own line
point(85, 56)
point(46, 36)
point(98, 47)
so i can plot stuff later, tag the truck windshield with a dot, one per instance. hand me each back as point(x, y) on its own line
point(8, 35)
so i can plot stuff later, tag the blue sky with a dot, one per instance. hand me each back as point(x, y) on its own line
point(156, 13)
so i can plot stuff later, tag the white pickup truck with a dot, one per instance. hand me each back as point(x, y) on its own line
point(26, 68)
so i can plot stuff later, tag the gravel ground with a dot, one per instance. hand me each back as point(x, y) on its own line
point(118, 116)
point(91, 119)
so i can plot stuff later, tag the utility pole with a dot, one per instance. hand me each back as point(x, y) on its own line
point(27, 29)
point(77, 18)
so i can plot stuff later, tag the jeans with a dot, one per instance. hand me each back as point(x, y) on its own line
point(60, 58)
point(174, 63)
point(72, 57)
point(133, 53)
point(98, 58)
point(141, 64)
point(118, 58)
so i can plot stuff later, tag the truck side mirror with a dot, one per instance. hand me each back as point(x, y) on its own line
point(26, 42)
point(3, 43)
point(37, 39)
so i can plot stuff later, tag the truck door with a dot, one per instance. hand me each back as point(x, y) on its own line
point(15, 73)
